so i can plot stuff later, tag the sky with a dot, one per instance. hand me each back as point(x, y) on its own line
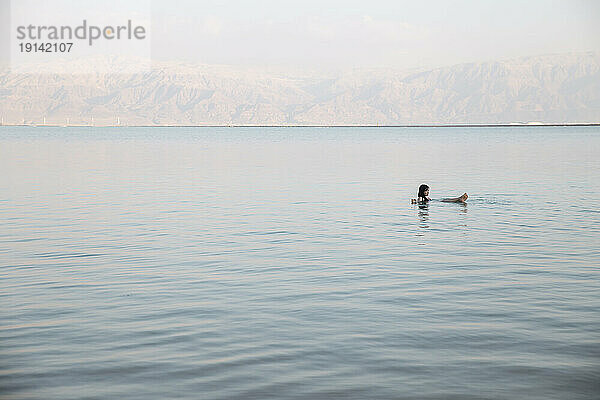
point(333, 34)
point(341, 34)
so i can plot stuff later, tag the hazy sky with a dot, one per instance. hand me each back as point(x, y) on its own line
point(344, 34)
point(374, 33)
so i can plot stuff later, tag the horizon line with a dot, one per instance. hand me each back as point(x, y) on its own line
point(502, 125)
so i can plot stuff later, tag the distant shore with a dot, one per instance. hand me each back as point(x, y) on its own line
point(511, 125)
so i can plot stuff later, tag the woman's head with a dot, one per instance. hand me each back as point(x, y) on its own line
point(423, 191)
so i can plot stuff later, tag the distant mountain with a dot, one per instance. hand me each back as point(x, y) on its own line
point(547, 89)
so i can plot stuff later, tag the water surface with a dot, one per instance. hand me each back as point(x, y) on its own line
point(284, 263)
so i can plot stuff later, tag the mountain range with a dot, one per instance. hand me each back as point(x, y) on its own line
point(550, 89)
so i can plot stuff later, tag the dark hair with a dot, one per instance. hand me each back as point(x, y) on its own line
point(422, 190)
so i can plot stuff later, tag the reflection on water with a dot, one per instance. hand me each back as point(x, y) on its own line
point(463, 210)
point(423, 216)
point(288, 264)
point(423, 213)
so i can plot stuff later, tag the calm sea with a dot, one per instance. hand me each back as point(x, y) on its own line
point(288, 263)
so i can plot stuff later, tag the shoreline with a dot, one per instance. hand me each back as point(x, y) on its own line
point(311, 126)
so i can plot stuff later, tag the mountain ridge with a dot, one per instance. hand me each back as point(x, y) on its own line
point(549, 89)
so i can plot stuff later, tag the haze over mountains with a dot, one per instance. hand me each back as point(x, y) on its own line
point(547, 89)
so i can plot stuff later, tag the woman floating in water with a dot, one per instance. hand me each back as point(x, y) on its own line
point(423, 197)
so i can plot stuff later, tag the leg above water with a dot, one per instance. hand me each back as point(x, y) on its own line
point(461, 199)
